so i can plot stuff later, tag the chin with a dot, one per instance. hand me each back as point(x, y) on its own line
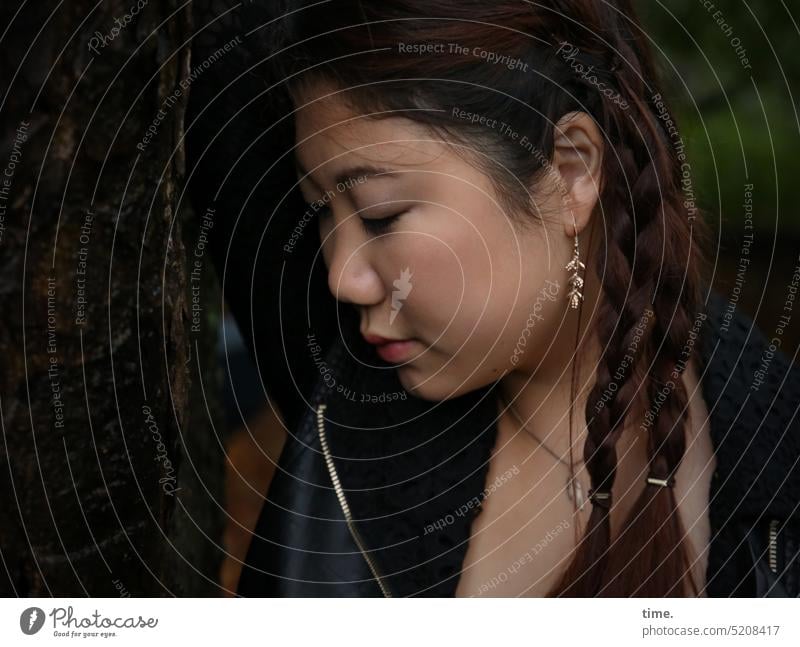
point(419, 385)
point(414, 382)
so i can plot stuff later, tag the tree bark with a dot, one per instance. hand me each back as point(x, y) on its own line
point(111, 475)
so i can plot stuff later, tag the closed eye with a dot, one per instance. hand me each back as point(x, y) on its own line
point(373, 226)
point(377, 226)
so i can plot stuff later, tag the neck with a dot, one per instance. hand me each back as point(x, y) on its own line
point(541, 394)
point(544, 404)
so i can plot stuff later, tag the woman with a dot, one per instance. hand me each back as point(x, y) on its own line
point(526, 387)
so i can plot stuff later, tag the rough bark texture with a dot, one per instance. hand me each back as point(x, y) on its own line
point(110, 475)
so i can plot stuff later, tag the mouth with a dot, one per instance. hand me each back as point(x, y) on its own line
point(392, 350)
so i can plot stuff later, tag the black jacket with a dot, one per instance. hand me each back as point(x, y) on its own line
point(406, 466)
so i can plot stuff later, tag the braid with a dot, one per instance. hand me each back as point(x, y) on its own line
point(647, 228)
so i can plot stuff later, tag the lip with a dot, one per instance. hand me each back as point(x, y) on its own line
point(391, 350)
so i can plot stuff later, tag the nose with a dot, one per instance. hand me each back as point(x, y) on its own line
point(352, 275)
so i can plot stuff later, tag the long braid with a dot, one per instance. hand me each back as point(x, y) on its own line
point(624, 306)
point(647, 228)
point(650, 546)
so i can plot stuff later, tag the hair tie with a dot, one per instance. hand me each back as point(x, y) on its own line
point(668, 482)
point(601, 498)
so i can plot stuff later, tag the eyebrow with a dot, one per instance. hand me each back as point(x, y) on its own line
point(350, 174)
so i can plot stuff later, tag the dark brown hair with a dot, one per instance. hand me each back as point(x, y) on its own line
point(548, 59)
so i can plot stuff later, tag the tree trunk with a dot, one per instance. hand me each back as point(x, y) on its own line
point(110, 479)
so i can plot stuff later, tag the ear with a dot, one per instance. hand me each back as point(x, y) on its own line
point(577, 161)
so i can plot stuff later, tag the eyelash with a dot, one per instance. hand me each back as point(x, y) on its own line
point(377, 226)
point(374, 226)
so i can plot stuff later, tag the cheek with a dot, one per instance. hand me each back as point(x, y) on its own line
point(481, 311)
point(448, 277)
point(468, 277)
point(534, 312)
point(511, 306)
point(533, 321)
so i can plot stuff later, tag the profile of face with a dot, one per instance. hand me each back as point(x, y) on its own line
point(414, 236)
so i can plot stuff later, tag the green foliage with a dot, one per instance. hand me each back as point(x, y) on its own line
point(732, 72)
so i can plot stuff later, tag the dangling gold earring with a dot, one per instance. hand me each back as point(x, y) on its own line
point(575, 295)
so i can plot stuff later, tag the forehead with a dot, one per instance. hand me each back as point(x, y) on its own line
point(329, 131)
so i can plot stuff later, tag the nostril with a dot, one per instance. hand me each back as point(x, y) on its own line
point(355, 281)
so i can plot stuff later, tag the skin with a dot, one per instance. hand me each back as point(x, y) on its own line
point(476, 277)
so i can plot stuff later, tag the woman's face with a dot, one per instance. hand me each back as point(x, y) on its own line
point(415, 238)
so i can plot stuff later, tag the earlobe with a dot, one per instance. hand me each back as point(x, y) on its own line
point(577, 158)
